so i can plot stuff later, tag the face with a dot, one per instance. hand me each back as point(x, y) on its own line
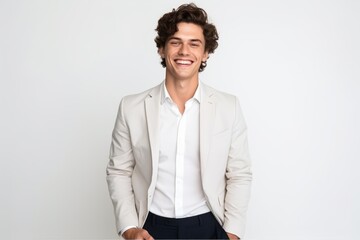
point(184, 52)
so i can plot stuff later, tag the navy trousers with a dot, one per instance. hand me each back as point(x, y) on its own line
point(203, 226)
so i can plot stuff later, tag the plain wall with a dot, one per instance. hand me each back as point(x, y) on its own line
point(65, 65)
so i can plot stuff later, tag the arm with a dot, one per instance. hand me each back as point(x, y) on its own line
point(119, 172)
point(238, 178)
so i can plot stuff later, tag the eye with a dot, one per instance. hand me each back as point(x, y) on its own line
point(175, 43)
point(194, 44)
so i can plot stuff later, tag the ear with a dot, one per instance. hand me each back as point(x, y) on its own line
point(161, 52)
point(205, 56)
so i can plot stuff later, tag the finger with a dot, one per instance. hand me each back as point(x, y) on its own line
point(147, 236)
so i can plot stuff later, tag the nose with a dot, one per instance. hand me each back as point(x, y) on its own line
point(184, 49)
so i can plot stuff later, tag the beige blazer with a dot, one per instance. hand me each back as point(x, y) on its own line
point(225, 163)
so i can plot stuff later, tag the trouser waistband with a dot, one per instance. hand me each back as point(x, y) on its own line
point(187, 221)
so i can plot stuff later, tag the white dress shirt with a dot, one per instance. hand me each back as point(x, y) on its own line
point(178, 192)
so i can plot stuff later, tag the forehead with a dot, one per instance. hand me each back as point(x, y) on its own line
point(188, 31)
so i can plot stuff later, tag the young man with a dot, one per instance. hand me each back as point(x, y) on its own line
point(179, 164)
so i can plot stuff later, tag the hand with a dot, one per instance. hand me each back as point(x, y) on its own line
point(137, 233)
point(232, 236)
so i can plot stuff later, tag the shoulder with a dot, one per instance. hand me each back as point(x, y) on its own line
point(139, 98)
point(219, 96)
point(227, 105)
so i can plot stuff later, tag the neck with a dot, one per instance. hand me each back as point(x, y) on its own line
point(181, 90)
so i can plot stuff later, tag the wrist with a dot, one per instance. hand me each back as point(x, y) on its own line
point(127, 228)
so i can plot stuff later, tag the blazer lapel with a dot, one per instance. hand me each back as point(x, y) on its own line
point(152, 108)
point(207, 117)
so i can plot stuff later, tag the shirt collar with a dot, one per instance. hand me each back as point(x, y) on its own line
point(165, 94)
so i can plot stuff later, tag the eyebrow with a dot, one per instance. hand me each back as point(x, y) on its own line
point(191, 40)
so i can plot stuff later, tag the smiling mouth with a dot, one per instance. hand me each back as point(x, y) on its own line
point(183, 62)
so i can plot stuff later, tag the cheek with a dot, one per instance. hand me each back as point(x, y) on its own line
point(168, 54)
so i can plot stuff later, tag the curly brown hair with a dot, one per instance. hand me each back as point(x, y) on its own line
point(189, 13)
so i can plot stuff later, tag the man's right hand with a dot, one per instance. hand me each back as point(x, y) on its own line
point(137, 233)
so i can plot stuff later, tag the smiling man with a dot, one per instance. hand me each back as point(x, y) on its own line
point(179, 163)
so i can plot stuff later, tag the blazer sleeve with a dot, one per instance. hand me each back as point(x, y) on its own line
point(119, 172)
point(238, 177)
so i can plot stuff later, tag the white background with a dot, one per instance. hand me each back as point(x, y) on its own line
point(65, 65)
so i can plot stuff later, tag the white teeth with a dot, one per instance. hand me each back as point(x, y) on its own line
point(186, 62)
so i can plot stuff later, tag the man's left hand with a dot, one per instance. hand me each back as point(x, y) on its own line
point(233, 236)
